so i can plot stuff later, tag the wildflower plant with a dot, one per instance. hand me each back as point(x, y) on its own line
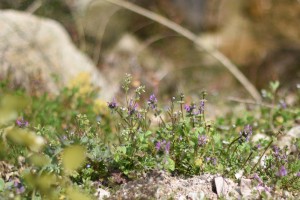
point(63, 147)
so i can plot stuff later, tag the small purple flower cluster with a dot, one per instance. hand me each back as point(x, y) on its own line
point(132, 107)
point(190, 109)
point(19, 186)
point(245, 134)
point(260, 183)
point(22, 123)
point(282, 104)
point(279, 154)
point(211, 160)
point(112, 104)
point(152, 101)
point(202, 140)
point(160, 144)
point(201, 108)
point(282, 171)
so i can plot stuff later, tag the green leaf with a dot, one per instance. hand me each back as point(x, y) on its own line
point(274, 85)
point(73, 157)
point(75, 194)
point(39, 160)
point(26, 138)
point(170, 164)
point(2, 184)
point(148, 133)
point(121, 149)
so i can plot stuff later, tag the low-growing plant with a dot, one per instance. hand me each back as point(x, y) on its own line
point(62, 147)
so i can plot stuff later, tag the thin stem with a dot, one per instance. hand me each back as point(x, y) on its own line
point(236, 139)
point(270, 143)
point(193, 38)
point(248, 158)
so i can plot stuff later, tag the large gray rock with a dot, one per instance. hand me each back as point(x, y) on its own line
point(38, 54)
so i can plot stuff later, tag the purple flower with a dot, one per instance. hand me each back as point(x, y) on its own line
point(282, 171)
point(88, 166)
point(157, 146)
point(17, 182)
point(258, 179)
point(211, 160)
point(282, 104)
point(132, 107)
point(152, 101)
point(19, 187)
point(276, 151)
point(189, 109)
point(112, 104)
point(22, 123)
point(139, 115)
point(298, 174)
point(207, 159)
point(258, 146)
point(201, 108)
point(202, 140)
point(279, 154)
point(20, 190)
point(214, 161)
point(167, 148)
point(246, 133)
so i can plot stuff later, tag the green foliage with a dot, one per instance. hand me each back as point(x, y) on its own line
point(60, 144)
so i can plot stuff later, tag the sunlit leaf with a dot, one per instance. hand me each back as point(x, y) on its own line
point(7, 115)
point(73, 157)
point(39, 160)
point(74, 194)
point(2, 184)
point(43, 183)
point(14, 102)
point(121, 149)
point(170, 164)
point(26, 138)
point(198, 162)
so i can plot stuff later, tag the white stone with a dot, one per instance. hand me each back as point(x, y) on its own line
point(239, 174)
point(101, 194)
point(221, 186)
point(287, 139)
point(32, 46)
point(246, 188)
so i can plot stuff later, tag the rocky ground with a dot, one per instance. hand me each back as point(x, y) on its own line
point(160, 185)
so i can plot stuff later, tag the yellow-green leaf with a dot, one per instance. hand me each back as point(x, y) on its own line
point(73, 157)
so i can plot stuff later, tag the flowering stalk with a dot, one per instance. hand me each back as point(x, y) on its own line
point(270, 143)
point(181, 104)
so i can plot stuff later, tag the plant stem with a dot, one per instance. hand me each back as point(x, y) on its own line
point(236, 139)
point(270, 143)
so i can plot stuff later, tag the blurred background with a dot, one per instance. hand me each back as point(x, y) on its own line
point(262, 37)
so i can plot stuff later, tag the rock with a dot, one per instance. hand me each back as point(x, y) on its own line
point(239, 174)
point(294, 132)
point(196, 195)
point(164, 186)
point(102, 194)
point(37, 54)
point(246, 187)
point(260, 136)
point(221, 186)
point(286, 139)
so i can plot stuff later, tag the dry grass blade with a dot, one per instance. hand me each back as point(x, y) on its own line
point(192, 37)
